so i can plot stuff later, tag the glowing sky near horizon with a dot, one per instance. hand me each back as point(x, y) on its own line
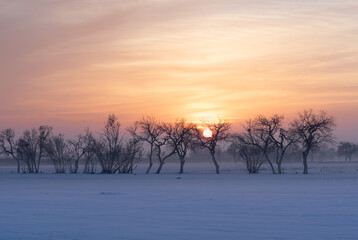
point(70, 63)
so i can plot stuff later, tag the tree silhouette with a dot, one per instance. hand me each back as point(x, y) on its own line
point(312, 130)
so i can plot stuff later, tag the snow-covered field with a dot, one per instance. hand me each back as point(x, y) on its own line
point(198, 205)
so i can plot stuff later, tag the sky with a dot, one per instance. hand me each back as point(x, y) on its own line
point(69, 63)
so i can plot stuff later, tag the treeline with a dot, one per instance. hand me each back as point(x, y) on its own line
point(116, 150)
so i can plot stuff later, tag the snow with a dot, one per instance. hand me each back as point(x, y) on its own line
point(196, 205)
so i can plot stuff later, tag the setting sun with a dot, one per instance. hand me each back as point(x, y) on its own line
point(207, 133)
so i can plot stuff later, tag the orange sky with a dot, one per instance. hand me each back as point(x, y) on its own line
point(70, 63)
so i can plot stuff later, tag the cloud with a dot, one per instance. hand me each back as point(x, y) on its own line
point(82, 59)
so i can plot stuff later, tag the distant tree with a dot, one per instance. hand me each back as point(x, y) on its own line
point(58, 152)
point(312, 130)
point(8, 146)
point(77, 151)
point(31, 147)
point(281, 139)
point(131, 155)
point(148, 130)
point(253, 158)
point(109, 146)
point(89, 147)
point(346, 150)
point(219, 133)
point(232, 151)
point(326, 152)
point(27, 149)
point(180, 136)
point(258, 135)
point(44, 134)
point(251, 154)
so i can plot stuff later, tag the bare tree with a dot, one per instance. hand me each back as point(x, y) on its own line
point(44, 133)
point(109, 146)
point(148, 130)
point(311, 131)
point(259, 136)
point(251, 154)
point(280, 138)
point(219, 132)
point(180, 138)
point(89, 147)
point(77, 151)
point(30, 147)
point(58, 152)
point(131, 155)
point(27, 146)
point(346, 150)
point(8, 145)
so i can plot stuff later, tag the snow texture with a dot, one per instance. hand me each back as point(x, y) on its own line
point(171, 206)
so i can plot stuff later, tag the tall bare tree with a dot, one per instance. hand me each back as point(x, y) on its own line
point(27, 146)
point(259, 136)
point(77, 151)
point(131, 155)
point(31, 147)
point(281, 139)
point(109, 146)
point(311, 131)
point(45, 132)
point(219, 133)
point(58, 152)
point(8, 145)
point(89, 147)
point(148, 130)
point(180, 138)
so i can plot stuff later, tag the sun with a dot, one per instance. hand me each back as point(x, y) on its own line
point(207, 133)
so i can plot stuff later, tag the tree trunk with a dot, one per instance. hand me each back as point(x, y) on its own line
point(31, 167)
point(270, 163)
point(150, 165)
point(305, 166)
point(18, 166)
point(279, 170)
point(161, 163)
point(76, 167)
point(86, 167)
point(37, 166)
point(150, 160)
point(215, 163)
point(182, 162)
point(131, 167)
point(28, 166)
point(279, 163)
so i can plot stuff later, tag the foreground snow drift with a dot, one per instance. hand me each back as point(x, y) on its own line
point(196, 206)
